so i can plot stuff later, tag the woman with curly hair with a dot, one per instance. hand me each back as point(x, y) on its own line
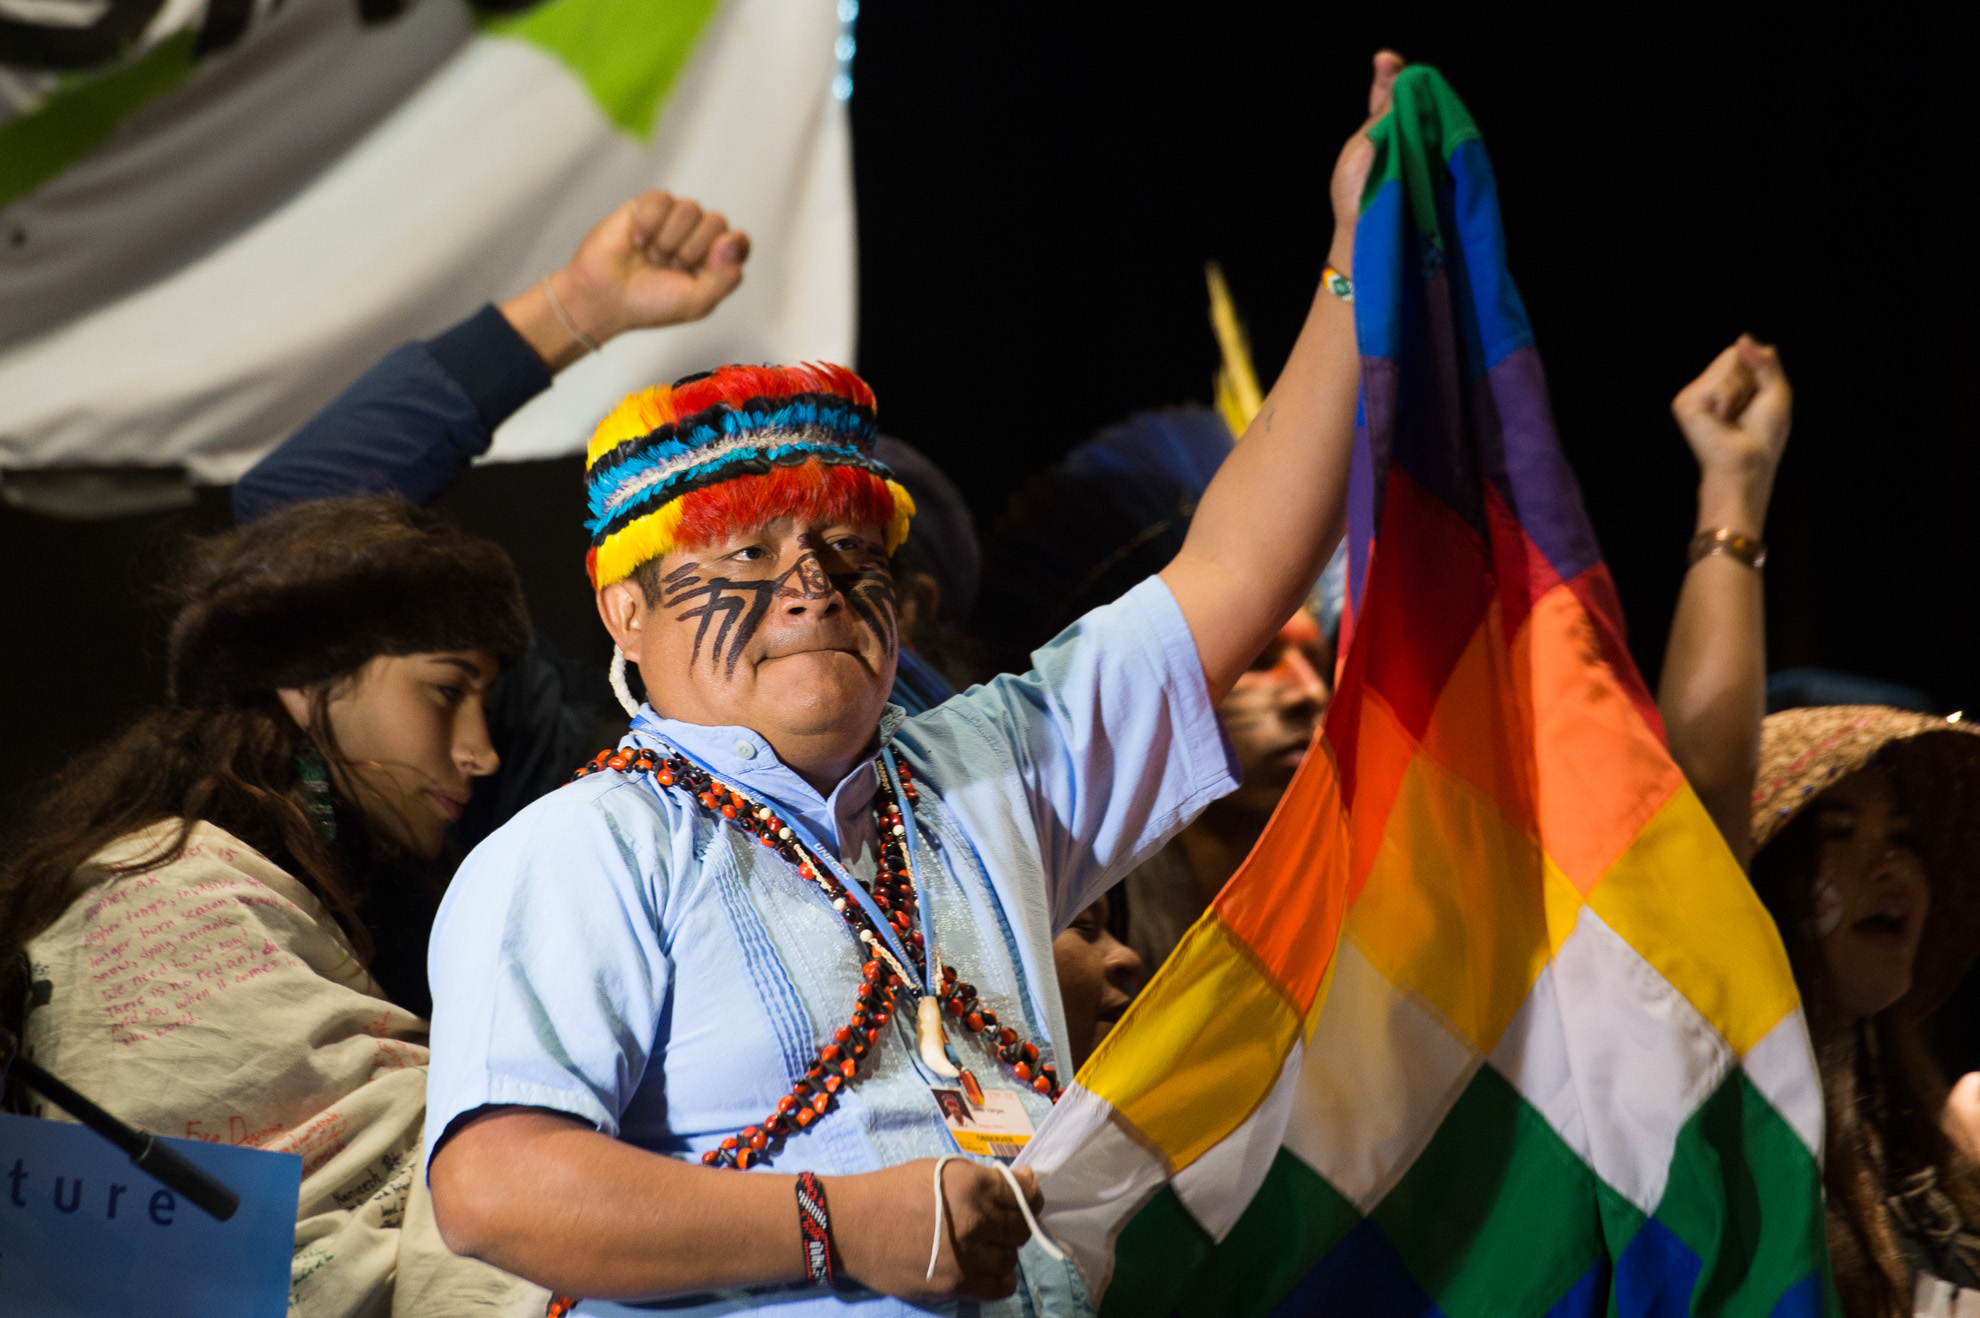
point(215, 925)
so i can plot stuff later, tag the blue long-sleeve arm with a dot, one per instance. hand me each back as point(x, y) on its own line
point(410, 425)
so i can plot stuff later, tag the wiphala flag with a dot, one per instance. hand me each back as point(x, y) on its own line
point(1491, 1022)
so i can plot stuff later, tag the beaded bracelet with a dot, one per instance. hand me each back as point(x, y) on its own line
point(816, 1225)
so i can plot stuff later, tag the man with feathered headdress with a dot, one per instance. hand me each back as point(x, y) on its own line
point(756, 937)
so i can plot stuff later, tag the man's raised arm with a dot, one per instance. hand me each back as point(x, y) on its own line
point(1275, 511)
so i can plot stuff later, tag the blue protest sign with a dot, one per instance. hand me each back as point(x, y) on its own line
point(84, 1233)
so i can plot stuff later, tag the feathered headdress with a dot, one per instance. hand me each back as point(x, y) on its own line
point(683, 464)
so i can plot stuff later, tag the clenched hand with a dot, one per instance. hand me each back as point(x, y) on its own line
point(657, 260)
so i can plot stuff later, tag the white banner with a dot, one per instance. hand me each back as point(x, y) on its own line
point(472, 160)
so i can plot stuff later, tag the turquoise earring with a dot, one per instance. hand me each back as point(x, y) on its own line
point(316, 792)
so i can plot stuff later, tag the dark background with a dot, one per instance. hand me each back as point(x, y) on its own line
point(1039, 186)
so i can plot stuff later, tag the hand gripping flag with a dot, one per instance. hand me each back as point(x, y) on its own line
point(1490, 1023)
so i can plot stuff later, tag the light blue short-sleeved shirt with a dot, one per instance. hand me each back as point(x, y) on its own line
point(616, 954)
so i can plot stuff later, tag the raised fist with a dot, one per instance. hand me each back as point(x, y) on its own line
point(1737, 413)
point(657, 260)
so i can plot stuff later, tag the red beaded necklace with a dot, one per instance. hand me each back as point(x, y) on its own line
point(812, 1095)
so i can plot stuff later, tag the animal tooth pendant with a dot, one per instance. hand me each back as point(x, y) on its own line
point(928, 1032)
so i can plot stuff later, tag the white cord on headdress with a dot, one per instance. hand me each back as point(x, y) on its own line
point(1045, 1242)
point(619, 687)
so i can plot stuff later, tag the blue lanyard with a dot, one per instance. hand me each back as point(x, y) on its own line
point(830, 860)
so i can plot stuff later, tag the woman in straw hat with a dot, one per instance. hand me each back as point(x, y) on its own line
point(1863, 851)
point(1854, 822)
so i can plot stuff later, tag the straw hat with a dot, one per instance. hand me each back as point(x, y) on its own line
point(1936, 762)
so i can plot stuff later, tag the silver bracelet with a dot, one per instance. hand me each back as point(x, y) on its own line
point(570, 325)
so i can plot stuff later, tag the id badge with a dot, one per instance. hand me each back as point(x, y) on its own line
point(997, 1126)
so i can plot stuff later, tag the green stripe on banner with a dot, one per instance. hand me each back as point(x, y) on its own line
point(1745, 1196)
point(626, 52)
point(76, 120)
point(1497, 1216)
point(1290, 1225)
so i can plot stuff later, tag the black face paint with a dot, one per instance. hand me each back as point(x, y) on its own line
point(741, 606)
point(807, 580)
point(870, 593)
point(723, 597)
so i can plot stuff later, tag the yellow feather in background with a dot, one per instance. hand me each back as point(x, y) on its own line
point(1237, 393)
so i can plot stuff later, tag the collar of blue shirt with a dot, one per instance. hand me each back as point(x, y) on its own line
point(741, 757)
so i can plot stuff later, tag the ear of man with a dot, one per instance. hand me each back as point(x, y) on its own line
point(622, 608)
